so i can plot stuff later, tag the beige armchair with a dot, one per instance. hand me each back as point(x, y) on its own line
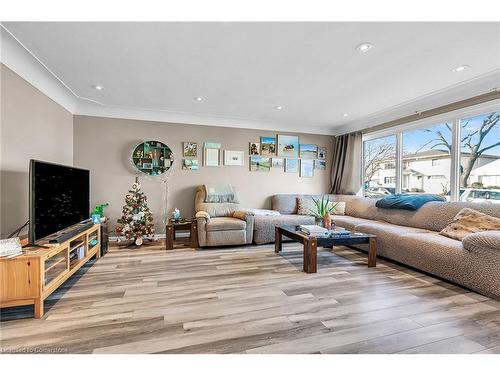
point(222, 224)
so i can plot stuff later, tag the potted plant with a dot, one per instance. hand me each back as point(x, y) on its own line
point(322, 209)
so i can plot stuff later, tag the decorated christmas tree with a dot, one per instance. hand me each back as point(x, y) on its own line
point(136, 221)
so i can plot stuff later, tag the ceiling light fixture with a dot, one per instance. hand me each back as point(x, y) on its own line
point(279, 107)
point(461, 68)
point(364, 47)
point(98, 87)
point(198, 98)
point(345, 114)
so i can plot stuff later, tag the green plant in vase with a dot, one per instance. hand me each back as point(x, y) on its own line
point(322, 210)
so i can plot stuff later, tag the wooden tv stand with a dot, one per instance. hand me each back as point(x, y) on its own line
point(30, 278)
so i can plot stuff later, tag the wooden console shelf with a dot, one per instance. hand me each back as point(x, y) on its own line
point(30, 278)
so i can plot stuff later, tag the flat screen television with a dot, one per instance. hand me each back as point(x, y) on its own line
point(59, 197)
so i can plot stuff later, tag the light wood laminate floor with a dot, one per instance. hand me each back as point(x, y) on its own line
point(250, 300)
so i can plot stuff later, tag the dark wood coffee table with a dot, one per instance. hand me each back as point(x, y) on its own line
point(173, 227)
point(311, 244)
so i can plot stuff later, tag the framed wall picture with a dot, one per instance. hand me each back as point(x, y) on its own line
point(190, 149)
point(308, 151)
point(288, 146)
point(322, 153)
point(277, 162)
point(320, 164)
point(254, 148)
point(190, 164)
point(291, 165)
point(260, 164)
point(267, 146)
point(211, 145)
point(234, 158)
point(211, 157)
point(306, 168)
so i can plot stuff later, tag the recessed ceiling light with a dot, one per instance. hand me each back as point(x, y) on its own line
point(461, 68)
point(345, 114)
point(278, 107)
point(198, 98)
point(364, 47)
point(98, 87)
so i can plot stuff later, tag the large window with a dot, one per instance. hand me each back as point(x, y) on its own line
point(427, 160)
point(480, 158)
point(379, 158)
point(457, 157)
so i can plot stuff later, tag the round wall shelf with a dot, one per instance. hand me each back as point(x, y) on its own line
point(152, 158)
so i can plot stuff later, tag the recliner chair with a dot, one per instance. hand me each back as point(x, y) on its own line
point(222, 224)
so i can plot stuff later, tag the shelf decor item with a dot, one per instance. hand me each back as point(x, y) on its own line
point(152, 158)
point(136, 221)
point(234, 158)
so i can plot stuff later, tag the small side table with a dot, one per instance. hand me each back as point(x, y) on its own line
point(172, 227)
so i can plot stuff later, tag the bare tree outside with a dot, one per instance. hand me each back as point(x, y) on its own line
point(375, 154)
point(472, 141)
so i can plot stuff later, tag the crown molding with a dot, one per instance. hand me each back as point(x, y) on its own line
point(477, 86)
point(85, 108)
point(25, 64)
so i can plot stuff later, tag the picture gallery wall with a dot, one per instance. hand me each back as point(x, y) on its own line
point(282, 151)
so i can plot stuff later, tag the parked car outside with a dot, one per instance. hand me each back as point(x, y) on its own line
point(377, 192)
point(481, 195)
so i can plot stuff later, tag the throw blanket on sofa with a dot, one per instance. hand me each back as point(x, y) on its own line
point(411, 202)
point(262, 212)
point(220, 194)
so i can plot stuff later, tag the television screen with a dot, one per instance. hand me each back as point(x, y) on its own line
point(59, 198)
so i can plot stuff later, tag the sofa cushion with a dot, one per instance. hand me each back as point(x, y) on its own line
point(306, 206)
point(437, 215)
point(479, 242)
point(285, 203)
point(348, 222)
point(361, 207)
point(470, 221)
point(226, 237)
point(264, 225)
point(380, 228)
point(225, 223)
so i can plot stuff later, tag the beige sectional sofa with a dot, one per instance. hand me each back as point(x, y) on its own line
point(411, 237)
